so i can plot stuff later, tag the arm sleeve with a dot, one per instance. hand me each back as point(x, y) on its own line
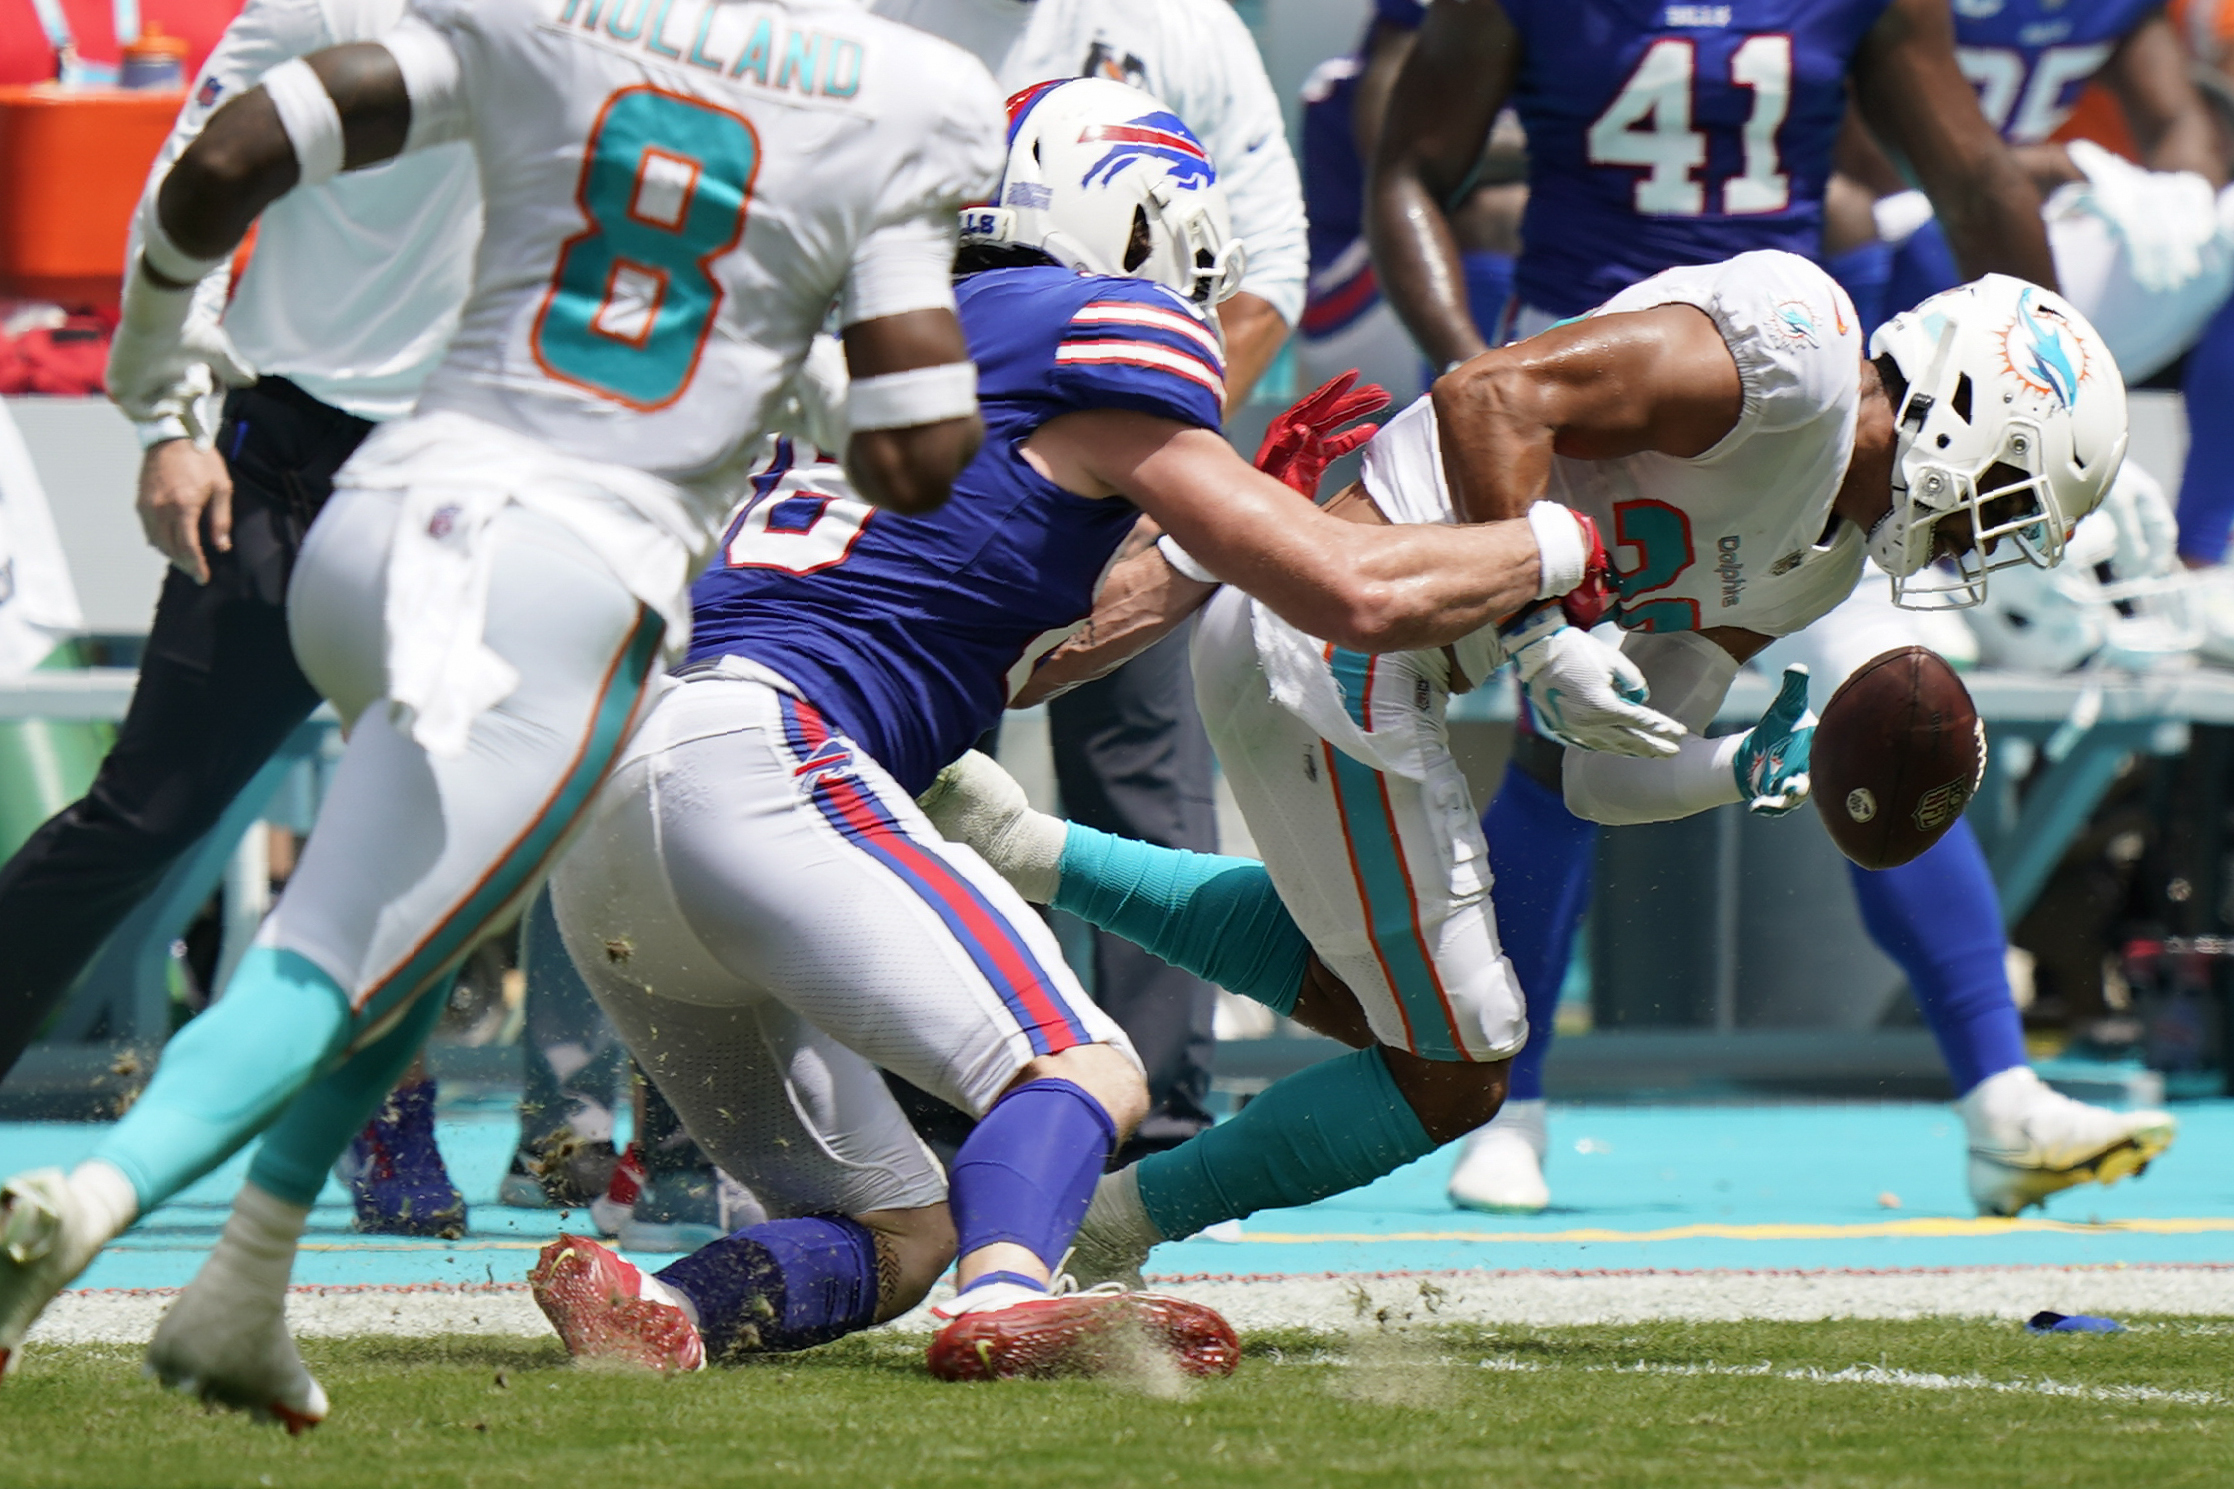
point(265, 34)
point(1229, 103)
point(434, 79)
point(1138, 346)
point(905, 260)
point(1688, 675)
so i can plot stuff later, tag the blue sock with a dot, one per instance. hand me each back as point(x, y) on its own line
point(229, 1072)
point(1866, 274)
point(1939, 918)
point(1330, 1128)
point(781, 1285)
point(1027, 1173)
point(1541, 857)
point(2207, 485)
point(300, 1148)
point(1204, 913)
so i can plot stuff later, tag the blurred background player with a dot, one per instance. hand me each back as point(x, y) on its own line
point(1130, 754)
point(1733, 398)
point(1708, 131)
point(344, 310)
point(488, 595)
point(764, 948)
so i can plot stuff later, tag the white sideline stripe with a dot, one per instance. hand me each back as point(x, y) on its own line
point(1878, 1375)
point(1335, 1301)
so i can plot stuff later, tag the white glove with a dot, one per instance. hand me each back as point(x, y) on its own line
point(2168, 220)
point(1585, 693)
point(165, 362)
point(2148, 527)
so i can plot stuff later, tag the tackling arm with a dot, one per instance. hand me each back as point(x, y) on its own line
point(2170, 121)
point(1444, 100)
point(1143, 600)
point(1363, 587)
point(1594, 389)
point(1916, 100)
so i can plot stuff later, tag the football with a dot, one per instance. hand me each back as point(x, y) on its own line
point(1898, 754)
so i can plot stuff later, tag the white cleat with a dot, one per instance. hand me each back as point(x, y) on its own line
point(48, 1234)
point(226, 1344)
point(2027, 1141)
point(1501, 1167)
point(1114, 1240)
point(975, 802)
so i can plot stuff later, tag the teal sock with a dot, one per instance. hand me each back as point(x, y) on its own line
point(298, 1149)
point(229, 1072)
point(1204, 913)
point(1321, 1131)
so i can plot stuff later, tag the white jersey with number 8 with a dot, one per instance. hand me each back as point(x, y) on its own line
point(677, 191)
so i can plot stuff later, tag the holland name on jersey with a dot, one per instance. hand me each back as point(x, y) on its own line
point(794, 59)
point(909, 632)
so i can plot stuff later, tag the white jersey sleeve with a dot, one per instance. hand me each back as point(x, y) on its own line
point(677, 193)
point(354, 286)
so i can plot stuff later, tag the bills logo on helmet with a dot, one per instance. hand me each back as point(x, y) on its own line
point(2043, 352)
point(1157, 136)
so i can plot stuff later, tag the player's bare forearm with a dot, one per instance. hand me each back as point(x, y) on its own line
point(1368, 588)
point(1254, 334)
point(243, 161)
point(1440, 110)
point(1916, 101)
point(1144, 600)
point(1595, 389)
point(2169, 120)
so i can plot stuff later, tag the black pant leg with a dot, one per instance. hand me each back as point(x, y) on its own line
point(218, 692)
point(1132, 758)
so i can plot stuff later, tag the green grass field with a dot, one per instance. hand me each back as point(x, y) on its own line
point(1939, 1402)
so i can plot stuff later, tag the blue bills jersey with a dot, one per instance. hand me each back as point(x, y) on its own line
point(909, 632)
point(1663, 133)
point(2029, 59)
point(1342, 286)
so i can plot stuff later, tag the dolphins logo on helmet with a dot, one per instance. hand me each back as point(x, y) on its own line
point(2043, 352)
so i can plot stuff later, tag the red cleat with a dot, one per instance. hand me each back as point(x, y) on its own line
point(596, 1301)
point(1016, 1333)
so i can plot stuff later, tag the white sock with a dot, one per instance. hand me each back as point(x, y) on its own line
point(110, 1201)
point(257, 1250)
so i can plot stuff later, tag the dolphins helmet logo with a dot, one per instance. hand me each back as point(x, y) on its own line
point(2043, 352)
point(1151, 137)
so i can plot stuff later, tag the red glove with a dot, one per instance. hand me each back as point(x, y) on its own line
point(1600, 591)
point(1302, 441)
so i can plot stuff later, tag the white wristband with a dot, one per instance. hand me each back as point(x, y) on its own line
point(1564, 555)
point(164, 256)
point(307, 113)
point(926, 395)
point(1183, 561)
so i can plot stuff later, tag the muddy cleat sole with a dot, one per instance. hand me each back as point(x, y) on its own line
point(2005, 1189)
point(1095, 1333)
point(595, 1300)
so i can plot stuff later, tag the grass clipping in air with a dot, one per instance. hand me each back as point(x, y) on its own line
point(1393, 1402)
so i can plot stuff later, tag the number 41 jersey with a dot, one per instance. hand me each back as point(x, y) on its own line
point(1669, 132)
point(675, 192)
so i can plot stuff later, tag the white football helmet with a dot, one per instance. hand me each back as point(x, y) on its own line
point(2012, 423)
point(1104, 179)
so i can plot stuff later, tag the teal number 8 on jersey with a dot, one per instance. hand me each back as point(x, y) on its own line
point(665, 182)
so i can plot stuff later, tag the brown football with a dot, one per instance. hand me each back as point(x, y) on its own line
point(1898, 754)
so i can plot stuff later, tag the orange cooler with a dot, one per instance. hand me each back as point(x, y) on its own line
point(72, 162)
